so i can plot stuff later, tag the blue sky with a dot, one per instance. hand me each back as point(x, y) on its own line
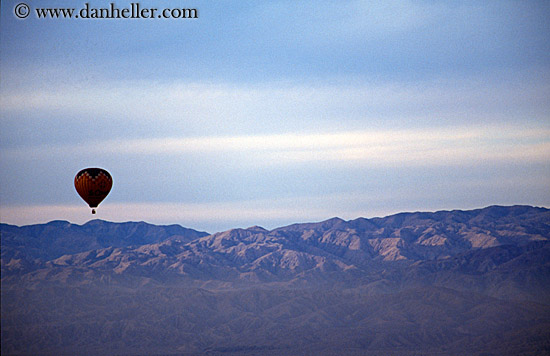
point(274, 112)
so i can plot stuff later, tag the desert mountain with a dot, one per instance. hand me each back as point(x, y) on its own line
point(262, 255)
point(28, 247)
point(445, 283)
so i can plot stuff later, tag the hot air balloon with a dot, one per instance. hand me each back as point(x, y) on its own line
point(93, 185)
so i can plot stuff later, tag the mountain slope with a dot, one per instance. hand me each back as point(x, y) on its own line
point(26, 248)
point(444, 283)
point(172, 320)
point(310, 251)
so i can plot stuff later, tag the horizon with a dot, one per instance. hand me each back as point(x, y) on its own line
point(283, 226)
point(262, 113)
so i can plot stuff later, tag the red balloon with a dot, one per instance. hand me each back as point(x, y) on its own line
point(93, 185)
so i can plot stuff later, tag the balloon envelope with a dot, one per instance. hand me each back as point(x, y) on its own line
point(93, 185)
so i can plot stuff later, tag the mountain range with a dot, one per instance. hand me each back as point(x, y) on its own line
point(442, 283)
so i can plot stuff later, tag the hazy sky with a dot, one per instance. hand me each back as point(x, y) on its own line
point(274, 112)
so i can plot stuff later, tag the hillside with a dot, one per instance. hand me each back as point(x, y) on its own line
point(449, 282)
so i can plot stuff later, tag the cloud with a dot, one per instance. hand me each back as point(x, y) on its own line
point(414, 147)
point(431, 123)
point(159, 109)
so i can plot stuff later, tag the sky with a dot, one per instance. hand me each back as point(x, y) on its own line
point(275, 112)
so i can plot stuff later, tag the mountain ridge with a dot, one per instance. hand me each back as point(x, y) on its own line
point(436, 283)
point(333, 244)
